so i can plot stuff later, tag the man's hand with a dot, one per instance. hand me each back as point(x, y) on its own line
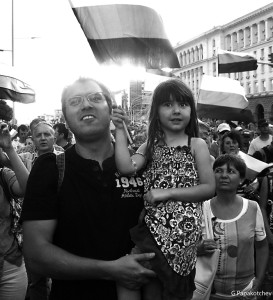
point(129, 273)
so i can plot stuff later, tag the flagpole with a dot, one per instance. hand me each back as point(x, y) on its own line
point(12, 53)
point(265, 63)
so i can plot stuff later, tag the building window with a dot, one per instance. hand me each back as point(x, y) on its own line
point(263, 87)
point(214, 69)
point(248, 37)
point(262, 68)
point(262, 54)
point(248, 88)
point(247, 75)
point(255, 87)
point(213, 43)
point(269, 52)
point(270, 84)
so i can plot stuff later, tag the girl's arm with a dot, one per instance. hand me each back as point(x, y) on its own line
point(203, 191)
point(126, 164)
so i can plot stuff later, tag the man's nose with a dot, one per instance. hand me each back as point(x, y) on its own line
point(86, 102)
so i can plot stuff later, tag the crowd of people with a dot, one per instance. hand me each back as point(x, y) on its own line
point(124, 221)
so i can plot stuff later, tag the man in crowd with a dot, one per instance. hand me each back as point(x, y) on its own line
point(215, 145)
point(62, 135)
point(22, 135)
point(43, 140)
point(31, 148)
point(264, 139)
point(265, 154)
point(78, 233)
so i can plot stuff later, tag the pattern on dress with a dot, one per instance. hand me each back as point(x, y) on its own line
point(175, 225)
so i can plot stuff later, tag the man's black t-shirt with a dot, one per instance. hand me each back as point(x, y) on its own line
point(95, 209)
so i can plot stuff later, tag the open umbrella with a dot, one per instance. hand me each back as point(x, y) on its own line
point(13, 88)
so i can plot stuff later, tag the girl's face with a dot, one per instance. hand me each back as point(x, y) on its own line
point(227, 178)
point(230, 146)
point(174, 116)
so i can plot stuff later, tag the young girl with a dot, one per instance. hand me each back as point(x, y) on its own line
point(177, 177)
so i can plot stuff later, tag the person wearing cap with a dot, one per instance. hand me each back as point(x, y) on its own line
point(215, 146)
point(264, 139)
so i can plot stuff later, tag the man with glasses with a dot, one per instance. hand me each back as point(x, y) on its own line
point(79, 235)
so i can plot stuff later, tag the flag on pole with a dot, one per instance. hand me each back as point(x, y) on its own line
point(14, 89)
point(120, 33)
point(224, 99)
point(254, 166)
point(232, 62)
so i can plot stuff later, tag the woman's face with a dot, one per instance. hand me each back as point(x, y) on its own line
point(230, 146)
point(227, 178)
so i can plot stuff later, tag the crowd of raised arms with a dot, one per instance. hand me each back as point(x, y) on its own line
point(90, 213)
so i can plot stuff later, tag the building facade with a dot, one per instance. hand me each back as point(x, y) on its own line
point(251, 33)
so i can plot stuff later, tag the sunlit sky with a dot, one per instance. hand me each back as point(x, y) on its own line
point(50, 47)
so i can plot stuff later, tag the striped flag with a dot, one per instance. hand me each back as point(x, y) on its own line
point(14, 89)
point(224, 99)
point(254, 166)
point(120, 33)
point(232, 62)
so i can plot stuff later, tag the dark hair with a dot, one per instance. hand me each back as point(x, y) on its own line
point(22, 127)
point(181, 93)
point(231, 160)
point(234, 136)
point(106, 92)
point(62, 129)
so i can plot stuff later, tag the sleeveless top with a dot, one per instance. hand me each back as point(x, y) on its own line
point(175, 225)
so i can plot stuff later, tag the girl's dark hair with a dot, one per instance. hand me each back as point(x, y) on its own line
point(181, 93)
point(234, 136)
point(231, 160)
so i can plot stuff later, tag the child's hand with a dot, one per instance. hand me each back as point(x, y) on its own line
point(157, 195)
point(118, 117)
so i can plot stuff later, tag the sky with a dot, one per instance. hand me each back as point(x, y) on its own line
point(50, 48)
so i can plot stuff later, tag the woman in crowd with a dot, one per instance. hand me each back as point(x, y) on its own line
point(13, 276)
point(231, 143)
point(238, 229)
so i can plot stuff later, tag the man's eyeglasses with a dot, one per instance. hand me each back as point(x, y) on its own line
point(91, 98)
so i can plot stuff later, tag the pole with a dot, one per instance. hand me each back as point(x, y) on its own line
point(265, 63)
point(12, 53)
